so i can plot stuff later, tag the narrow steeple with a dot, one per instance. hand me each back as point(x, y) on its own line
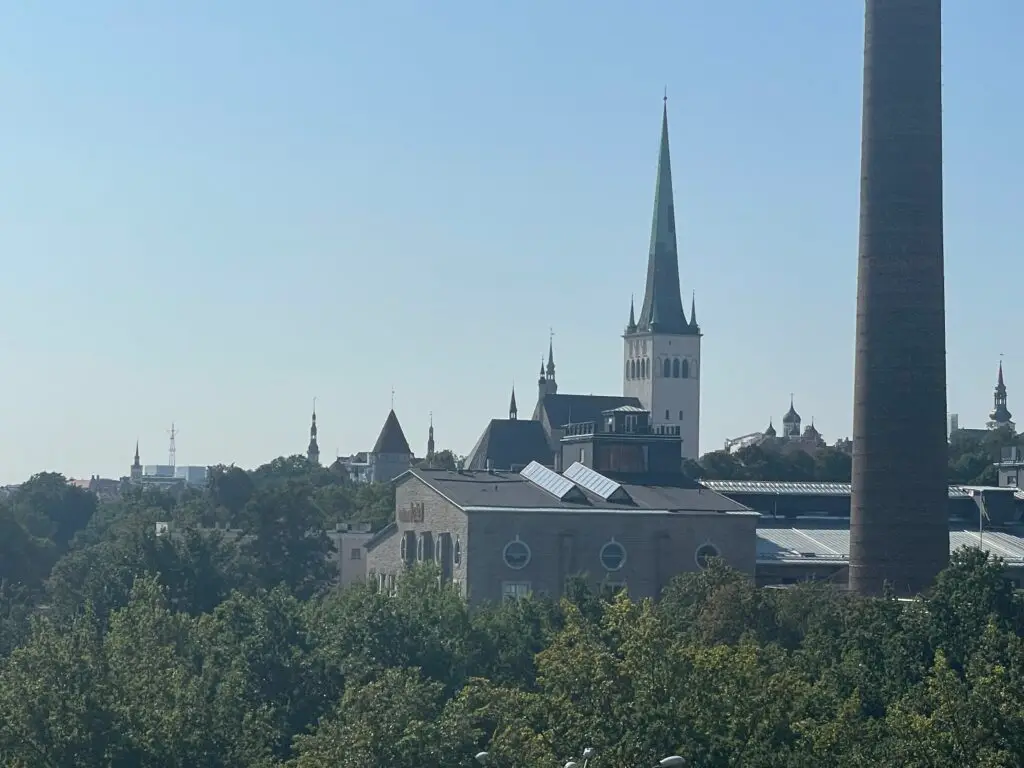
point(513, 411)
point(313, 451)
point(136, 470)
point(693, 313)
point(631, 325)
point(663, 304)
point(430, 438)
point(137, 462)
point(1000, 415)
point(551, 356)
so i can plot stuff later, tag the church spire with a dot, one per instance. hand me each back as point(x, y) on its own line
point(693, 313)
point(430, 438)
point(1000, 415)
point(313, 451)
point(513, 411)
point(662, 301)
point(137, 462)
point(631, 326)
point(551, 356)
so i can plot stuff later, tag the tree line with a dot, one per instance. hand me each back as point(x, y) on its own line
point(119, 647)
point(971, 461)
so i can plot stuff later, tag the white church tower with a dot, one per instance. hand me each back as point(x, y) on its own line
point(662, 347)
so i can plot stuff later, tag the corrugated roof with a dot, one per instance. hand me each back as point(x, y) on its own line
point(833, 544)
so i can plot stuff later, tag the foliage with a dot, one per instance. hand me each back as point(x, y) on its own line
point(229, 649)
point(971, 461)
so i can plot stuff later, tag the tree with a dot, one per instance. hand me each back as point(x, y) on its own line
point(285, 542)
point(52, 508)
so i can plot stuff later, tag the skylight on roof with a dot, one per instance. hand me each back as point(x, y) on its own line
point(598, 484)
point(550, 481)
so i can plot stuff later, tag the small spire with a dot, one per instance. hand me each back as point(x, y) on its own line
point(631, 327)
point(693, 311)
point(542, 367)
point(1000, 383)
point(513, 411)
point(551, 355)
point(430, 438)
point(136, 454)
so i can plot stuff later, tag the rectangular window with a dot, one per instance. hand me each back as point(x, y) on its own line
point(356, 554)
point(514, 590)
point(667, 414)
point(680, 415)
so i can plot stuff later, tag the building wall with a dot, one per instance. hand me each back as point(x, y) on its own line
point(388, 466)
point(422, 515)
point(349, 556)
point(658, 547)
point(667, 398)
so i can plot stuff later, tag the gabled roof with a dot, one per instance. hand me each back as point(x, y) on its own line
point(559, 410)
point(510, 444)
point(392, 438)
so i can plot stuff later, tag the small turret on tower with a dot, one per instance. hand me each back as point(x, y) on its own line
point(430, 439)
point(513, 411)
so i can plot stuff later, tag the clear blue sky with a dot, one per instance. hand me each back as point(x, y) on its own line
point(212, 212)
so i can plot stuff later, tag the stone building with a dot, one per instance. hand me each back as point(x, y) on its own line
point(622, 514)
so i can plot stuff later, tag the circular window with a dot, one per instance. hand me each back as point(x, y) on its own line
point(613, 556)
point(704, 553)
point(516, 554)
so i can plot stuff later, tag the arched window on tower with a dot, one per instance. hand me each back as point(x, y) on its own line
point(686, 369)
point(627, 369)
point(647, 368)
point(668, 368)
point(675, 368)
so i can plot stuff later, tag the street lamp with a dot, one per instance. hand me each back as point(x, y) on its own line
point(481, 757)
point(672, 761)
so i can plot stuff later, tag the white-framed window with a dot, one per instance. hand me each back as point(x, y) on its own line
point(457, 550)
point(704, 553)
point(514, 590)
point(516, 554)
point(613, 555)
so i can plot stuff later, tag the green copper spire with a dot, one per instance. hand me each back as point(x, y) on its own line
point(662, 301)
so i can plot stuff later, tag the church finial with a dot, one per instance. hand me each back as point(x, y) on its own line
point(631, 326)
point(693, 311)
point(136, 464)
point(513, 411)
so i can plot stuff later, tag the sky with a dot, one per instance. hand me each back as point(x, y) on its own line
point(211, 213)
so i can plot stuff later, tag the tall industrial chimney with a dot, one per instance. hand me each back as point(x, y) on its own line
point(899, 516)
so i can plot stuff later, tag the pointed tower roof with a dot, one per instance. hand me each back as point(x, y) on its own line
point(631, 325)
point(513, 411)
point(392, 438)
point(770, 432)
point(1000, 384)
point(137, 463)
point(313, 449)
point(551, 357)
point(693, 313)
point(662, 301)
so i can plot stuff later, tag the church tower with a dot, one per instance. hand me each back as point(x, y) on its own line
point(313, 451)
point(1000, 416)
point(136, 473)
point(662, 347)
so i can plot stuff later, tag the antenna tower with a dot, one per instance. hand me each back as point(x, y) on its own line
point(172, 450)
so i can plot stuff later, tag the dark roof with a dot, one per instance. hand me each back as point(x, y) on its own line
point(392, 438)
point(560, 410)
point(510, 444)
point(785, 488)
point(483, 491)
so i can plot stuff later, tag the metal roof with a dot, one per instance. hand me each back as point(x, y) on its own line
point(833, 544)
point(781, 488)
point(595, 482)
point(552, 482)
